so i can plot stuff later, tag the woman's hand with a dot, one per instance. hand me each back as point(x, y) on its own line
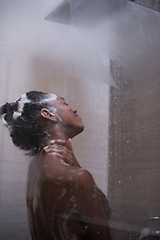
point(63, 150)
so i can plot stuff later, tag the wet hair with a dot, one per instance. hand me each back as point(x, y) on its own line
point(22, 120)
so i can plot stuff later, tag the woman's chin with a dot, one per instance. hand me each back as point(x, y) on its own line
point(78, 131)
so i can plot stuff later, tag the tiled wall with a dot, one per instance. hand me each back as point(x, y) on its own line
point(134, 151)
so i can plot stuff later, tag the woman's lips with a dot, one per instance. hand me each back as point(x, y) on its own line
point(76, 115)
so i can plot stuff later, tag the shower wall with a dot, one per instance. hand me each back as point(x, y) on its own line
point(40, 55)
point(134, 133)
point(153, 4)
point(134, 154)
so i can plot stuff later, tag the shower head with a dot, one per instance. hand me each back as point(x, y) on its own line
point(84, 12)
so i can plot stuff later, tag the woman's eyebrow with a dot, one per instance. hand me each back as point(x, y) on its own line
point(62, 98)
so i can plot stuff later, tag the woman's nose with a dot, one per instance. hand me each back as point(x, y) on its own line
point(74, 110)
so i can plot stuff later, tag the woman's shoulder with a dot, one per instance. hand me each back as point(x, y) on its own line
point(53, 167)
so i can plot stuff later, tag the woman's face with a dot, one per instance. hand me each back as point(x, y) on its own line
point(67, 116)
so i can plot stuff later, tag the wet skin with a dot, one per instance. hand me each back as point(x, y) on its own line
point(65, 121)
point(63, 200)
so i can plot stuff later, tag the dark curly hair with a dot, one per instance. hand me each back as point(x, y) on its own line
point(22, 120)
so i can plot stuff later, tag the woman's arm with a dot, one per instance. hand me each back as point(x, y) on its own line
point(92, 203)
point(93, 208)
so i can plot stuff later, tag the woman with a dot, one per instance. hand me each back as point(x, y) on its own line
point(63, 200)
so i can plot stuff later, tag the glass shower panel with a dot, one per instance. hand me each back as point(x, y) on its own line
point(104, 58)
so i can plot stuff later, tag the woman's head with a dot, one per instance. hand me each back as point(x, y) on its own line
point(35, 116)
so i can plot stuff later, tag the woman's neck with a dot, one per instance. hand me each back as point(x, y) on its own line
point(55, 136)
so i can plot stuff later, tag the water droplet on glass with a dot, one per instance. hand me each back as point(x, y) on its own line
point(73, 198)
point(70, 179)
point(94, 195)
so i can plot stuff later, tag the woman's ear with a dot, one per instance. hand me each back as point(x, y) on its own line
point(47, 114)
